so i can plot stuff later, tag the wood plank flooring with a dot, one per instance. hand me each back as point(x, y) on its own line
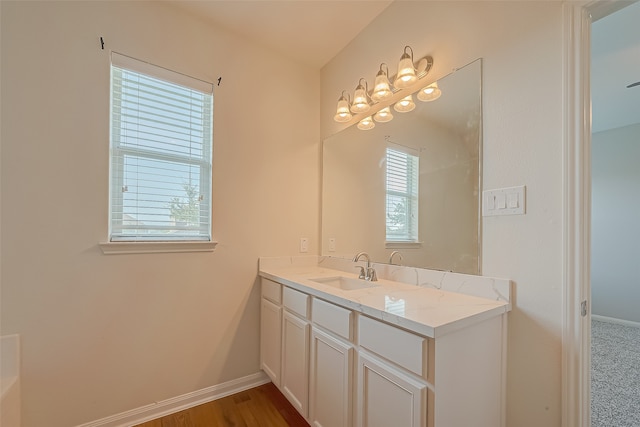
point(263, 406)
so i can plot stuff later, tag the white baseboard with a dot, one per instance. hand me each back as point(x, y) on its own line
point(180, 403)
point(616, 321)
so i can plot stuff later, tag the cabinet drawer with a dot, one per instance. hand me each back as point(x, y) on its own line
point(331, 317)
point(272, 290)
point(404, 348)
point(296, 302)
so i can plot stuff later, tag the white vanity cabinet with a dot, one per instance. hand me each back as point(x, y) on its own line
point(295, 349)
point(340, 367)
point(393, 367)
point(271, 329)
point(332, 366)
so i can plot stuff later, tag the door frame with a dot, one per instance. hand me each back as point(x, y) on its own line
point(576, 214)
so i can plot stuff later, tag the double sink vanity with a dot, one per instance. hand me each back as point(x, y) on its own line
point(415, 347)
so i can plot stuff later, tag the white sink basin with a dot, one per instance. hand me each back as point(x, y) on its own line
point(345, 283)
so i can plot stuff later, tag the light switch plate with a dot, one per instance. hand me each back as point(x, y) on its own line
point(504, 201)
point(304, 244)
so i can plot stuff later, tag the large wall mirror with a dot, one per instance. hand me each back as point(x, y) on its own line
point(410, 185)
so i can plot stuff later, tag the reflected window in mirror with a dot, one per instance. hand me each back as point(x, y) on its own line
point(402, 196)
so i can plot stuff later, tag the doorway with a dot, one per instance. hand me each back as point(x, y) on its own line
point(615, 154)
point(576, 349)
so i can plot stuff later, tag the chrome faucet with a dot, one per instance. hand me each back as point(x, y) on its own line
point(368, 273)
point(393, 254)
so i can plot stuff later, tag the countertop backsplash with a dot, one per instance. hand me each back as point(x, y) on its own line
point(497, 289)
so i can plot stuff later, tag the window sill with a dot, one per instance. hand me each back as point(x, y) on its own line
point(405, 245)
point(117, 248)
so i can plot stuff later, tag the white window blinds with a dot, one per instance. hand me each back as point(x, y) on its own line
point(402, 196)
point(161, 144)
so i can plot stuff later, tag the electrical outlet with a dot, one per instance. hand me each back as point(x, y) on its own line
point(332, 244)
point(304, 244)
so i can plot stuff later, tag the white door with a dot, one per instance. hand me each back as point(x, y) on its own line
point(388, 397)
point(270, 342)
point(295, 361)
point(330, 392)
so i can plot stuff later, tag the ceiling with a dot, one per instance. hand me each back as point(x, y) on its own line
point(309, 31)
point(314, 31)
point(616, 64)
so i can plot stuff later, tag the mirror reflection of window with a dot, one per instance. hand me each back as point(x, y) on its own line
point(402, 196)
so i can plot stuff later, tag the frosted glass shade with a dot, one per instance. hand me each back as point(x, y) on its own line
point(366, 124)
point(406, 73)
point(405, 105)
point(429, 93)
point(342, 113)
point(383, 115)
point(382, 88)
point(360, 102)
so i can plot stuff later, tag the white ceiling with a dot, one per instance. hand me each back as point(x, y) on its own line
point(616, 64)
point(314, 31)
point(310, 31)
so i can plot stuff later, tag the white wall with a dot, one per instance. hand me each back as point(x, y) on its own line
point(521, 44)
point(105, 334)
point(615, 270)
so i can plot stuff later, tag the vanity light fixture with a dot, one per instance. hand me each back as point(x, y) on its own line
point(360, 98)
point(405, 105)
point(409, 73)
point(429, 93)
point(383, 115)
point(382, 87)
point(342, 113)
point(366, 124)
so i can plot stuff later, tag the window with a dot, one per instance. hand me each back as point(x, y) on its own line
point(402, 196)
point(161, 144)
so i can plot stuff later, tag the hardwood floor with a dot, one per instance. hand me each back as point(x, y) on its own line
point(263, 406)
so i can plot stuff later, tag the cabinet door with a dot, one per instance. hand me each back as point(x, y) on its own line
point(270, 340)
point(389, 397)
point(295, 361)
point(330, 392)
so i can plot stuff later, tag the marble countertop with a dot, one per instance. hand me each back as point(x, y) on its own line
point(426, 311)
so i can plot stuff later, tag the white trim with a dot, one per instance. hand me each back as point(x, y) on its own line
point(576, 362)
point(402, 244)
point(615, 320)
point(180, 403)
point(118, 248)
